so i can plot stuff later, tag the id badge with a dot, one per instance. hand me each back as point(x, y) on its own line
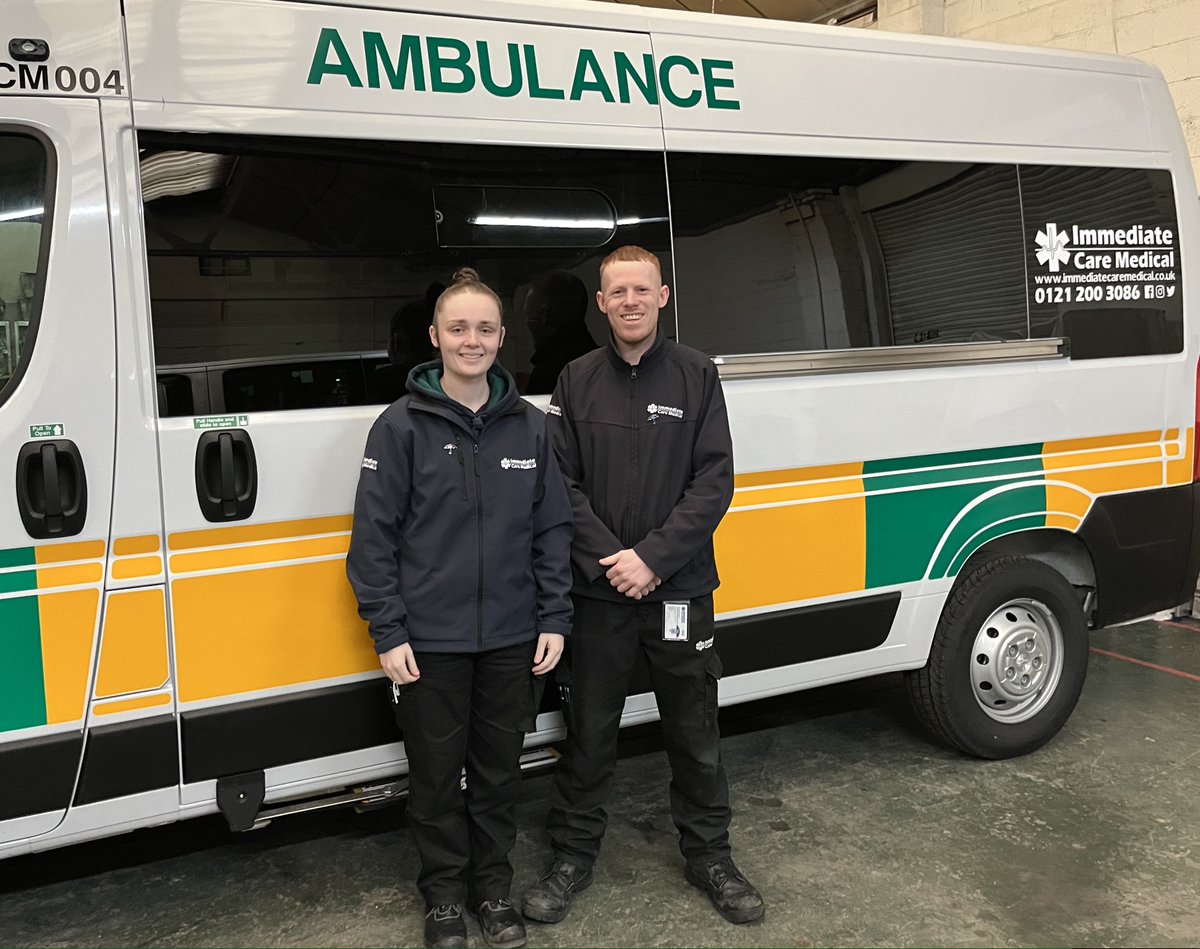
point(675, 622)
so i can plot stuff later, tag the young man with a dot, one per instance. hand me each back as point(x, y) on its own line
point(642, 438)
point(459, 558)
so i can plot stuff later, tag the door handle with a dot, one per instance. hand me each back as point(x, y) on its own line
point(226, 475)
point(51, 488)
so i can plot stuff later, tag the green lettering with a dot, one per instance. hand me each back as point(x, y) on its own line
point(664, 81)
point(409, 59)
point(514, 71)
point(644, 80)
point(535, 90)
point(713, 83)
point(321, 67)
point(597, 83)
point(438, 48)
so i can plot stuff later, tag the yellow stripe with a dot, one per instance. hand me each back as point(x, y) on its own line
point(1179, 471)
point(133, 649)
point(218, 537)
point(1103, 441)
point(68, 624)
point(130, 705)
point(755, 479)
point(251, 630)
point(781, 555)
point(127, 546)
point(69, 576)
point(137, 567)
point(61, 553)
point(266, 553)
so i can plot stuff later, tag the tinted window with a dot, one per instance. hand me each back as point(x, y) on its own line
point(24, 198)
point(776, 254)
point(268, 253)
point(1102, 249)
point(779, 254)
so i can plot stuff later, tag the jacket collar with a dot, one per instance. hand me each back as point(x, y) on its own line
point(650, 357)
point(425, 393)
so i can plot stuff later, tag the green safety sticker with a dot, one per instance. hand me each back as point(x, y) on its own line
point(221, 421)
point(47, 431)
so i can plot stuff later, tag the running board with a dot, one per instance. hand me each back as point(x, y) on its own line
point(373, 796)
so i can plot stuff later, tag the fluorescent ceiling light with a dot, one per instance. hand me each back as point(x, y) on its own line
point(502, 220)
point(19, 215)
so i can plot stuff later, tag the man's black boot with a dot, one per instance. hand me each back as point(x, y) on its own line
point(730, 892)
point(444, 926)
point(549, 900)
point(501, 925)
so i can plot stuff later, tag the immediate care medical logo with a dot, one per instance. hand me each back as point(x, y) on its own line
point(445, 64)
point(1052, 247)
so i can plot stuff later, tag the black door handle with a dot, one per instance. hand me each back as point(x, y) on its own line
point(226, 475)
point(51, 488)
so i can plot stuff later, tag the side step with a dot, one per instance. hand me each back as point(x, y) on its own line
point(364, 798)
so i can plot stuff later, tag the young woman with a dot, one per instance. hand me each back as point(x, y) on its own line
point(459, 559)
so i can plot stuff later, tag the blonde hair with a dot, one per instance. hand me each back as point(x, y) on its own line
point(466, 280)
point(633, 254)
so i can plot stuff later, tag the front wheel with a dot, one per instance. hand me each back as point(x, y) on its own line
point(1008, 660)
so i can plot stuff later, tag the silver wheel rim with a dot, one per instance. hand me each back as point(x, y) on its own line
point(1017, 661)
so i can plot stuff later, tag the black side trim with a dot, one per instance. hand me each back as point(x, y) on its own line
point(785, 637)
point(1141, 545)
point(38, 775)
point(253, 736)
point(128, 758)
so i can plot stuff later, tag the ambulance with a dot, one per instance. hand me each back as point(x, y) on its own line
point(951, 289)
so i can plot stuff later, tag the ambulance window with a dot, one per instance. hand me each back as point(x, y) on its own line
point(780, 254)
point(301, 273)
point(24, 200)
point(1102, 249)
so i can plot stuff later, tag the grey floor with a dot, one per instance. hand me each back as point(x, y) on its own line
point(858, 829)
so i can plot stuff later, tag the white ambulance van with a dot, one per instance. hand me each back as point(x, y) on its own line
point(950, 288)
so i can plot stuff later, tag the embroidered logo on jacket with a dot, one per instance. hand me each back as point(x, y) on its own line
point(370, 464)
point(655, 410)
point(449, 447)
point(553, 409)
point(507, 463)
point(704, 644)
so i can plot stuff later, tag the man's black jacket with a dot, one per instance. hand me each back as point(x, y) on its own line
point(648, 461)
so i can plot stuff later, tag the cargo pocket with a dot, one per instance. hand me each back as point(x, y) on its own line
point(712, 676)
point(403, 707)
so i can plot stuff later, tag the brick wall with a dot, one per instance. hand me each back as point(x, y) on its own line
point(1163, 32)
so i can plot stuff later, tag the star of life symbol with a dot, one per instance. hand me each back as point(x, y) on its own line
point(1052, 247)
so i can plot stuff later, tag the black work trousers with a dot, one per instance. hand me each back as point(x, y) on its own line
point(605, 642)
point(466, 710)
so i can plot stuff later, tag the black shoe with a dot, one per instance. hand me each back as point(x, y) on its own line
point(730, 892)
point(549, 899)
point(500, 924)
point(444, 926)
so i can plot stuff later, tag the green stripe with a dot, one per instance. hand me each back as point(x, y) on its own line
point(22, 693)
point(17, 557)
point(903, 528)
point(20, 582)
point(1028, 522)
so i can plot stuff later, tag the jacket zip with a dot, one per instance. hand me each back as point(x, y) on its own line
point(462, 465)
point(478, 550)
point(632, 492)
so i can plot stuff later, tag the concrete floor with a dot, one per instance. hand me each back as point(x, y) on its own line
point(858, 829)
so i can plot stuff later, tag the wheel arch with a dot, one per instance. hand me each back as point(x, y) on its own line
point(1058, 549)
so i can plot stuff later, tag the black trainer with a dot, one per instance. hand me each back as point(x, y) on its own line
point(500, 924)
point(444, 926)
point(730, 892)
point(549, 900)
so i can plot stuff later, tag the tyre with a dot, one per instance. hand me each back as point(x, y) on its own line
point(1008, 660)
